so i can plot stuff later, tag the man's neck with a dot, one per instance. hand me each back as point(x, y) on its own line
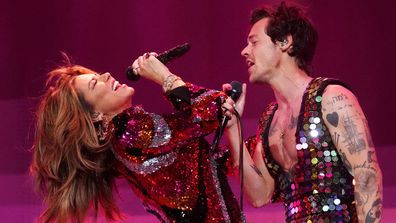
point(289, 86)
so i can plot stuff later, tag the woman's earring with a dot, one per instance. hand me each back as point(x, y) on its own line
point(102, 125)
point(97, 116)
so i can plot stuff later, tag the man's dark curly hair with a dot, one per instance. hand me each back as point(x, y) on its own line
point(290, 20)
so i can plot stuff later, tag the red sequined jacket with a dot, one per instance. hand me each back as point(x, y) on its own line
point(166, 158)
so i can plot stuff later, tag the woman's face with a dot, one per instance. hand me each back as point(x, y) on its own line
point(104, 93)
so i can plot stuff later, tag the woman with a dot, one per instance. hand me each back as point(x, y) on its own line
point(88, 133)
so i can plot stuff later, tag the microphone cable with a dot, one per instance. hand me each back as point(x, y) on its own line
point(241, 152)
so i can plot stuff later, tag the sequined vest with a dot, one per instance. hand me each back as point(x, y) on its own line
point(320, 188)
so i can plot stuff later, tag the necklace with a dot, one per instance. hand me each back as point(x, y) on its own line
point(282, 135)
point(282, 138)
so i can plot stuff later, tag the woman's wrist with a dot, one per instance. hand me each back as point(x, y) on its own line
point(172, 81)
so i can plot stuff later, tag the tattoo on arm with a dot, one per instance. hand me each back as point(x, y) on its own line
point(375, 211)
point(368, 134)
point(347, 164)
point(293, 122)
point(354, 140)
point(336, 138)
point(352, 134)
point(256, 170)
point(365, 177)
point(339, 98)
point(365, 183)
point(368, 192)
point(371, 157)
point(332, 118)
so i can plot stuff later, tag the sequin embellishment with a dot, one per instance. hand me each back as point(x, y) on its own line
point(167, 162)
point(150, 165)
point(162, 132)
point(321, 189)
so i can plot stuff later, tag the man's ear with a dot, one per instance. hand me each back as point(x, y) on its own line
point(286, 43)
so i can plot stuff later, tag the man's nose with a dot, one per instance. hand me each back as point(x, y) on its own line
point(244, 51)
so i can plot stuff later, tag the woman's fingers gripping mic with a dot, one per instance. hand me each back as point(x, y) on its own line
point(151, 68)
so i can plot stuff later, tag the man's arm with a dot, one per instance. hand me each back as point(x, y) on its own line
point(258, 183)
point(351, 135)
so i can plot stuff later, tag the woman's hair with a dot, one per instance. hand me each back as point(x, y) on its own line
point(70, 167)
point(290, 20)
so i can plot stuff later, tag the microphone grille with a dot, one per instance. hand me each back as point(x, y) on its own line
point(236, 90)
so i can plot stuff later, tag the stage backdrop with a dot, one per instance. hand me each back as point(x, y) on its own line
point(356, 45)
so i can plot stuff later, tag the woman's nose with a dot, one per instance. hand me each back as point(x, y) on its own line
point(104, 77)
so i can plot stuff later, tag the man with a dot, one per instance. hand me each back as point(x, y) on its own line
point(313, 150)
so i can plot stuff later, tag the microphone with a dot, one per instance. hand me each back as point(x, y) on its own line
point(164, 57)
point(234, 93)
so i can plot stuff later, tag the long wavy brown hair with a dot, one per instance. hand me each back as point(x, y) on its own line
point(73, 171)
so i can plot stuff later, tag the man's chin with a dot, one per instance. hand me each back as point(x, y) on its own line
point(252, 79)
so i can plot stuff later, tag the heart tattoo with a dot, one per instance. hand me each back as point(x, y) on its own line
point(332, 118)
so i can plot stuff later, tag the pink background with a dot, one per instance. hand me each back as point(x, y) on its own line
point(356, 45)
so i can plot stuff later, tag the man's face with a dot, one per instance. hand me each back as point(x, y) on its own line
point(262, 55)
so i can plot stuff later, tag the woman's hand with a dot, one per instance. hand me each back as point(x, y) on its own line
point(229, 106)
point(149, 67)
